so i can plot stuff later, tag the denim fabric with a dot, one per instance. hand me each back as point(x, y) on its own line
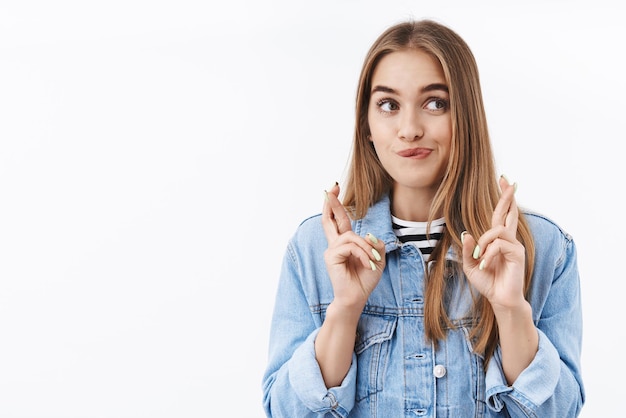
point(395, 371)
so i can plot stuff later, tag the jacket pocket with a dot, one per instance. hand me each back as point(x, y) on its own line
point(374, 333)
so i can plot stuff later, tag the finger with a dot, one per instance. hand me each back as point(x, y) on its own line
point(501, 247)
point(339, 213)
point(376, 249)
point(328, 220)
point(510, 222)
point(338, 254)
point(512, 215)
point(371, 246)
point(502, 208)
point(486, 239)
point(351, 245)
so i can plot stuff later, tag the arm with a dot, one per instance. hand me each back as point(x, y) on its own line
point(535, 371)
point(551, 386)
point(312, 365)
point(355, 266)
point(495, 266)
point(292, 383)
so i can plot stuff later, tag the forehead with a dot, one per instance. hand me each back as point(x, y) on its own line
point(408, 67)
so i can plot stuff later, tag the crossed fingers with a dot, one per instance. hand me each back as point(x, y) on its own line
point(335, 219)
point(343, 243)
point(500, 239)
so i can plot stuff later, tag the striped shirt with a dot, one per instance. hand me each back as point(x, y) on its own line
point(415, 233)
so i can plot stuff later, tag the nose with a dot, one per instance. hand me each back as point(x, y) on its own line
point(411, 127)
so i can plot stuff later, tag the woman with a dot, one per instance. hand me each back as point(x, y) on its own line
point(425, 291)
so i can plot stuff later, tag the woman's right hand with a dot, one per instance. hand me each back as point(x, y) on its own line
point(355, 264)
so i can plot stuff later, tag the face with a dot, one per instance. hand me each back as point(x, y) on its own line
point(409, 120)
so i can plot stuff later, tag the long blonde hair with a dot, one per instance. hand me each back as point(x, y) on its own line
point(469, 190)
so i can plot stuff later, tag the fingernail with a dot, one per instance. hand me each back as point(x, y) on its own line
point(481, 266)
point(372, 238)
point(372, 265)
point(463, 237)
point(376, 254)
point(514, 187)
point(326, 195)
point(476, 253)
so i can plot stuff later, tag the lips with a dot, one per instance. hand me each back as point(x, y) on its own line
point(415, 152)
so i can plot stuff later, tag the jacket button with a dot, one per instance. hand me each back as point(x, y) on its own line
point(439, 371)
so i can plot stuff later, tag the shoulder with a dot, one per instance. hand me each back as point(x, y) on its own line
point(544, 227)
point(550, 239)
point(311, 221)
point(309, 234)
point(310, 225)
point(556, 281)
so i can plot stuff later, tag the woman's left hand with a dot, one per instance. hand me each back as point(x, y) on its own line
point(495, 264)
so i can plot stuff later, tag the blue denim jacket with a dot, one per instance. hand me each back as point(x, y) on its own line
point(395, 371)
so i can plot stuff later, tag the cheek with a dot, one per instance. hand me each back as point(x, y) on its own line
point(444, 133)
point(443, 124)
point(381, 134)
point(377, 122)
point(381, 153)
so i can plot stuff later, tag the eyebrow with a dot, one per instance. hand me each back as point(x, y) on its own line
point(425, 89)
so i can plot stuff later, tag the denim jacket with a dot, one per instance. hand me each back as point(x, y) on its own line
point(395, 371)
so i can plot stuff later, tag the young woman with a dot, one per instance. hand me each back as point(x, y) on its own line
point(425, 291)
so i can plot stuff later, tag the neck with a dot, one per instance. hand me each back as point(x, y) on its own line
point(412, 204)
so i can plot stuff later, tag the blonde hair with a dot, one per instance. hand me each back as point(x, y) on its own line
point(469, 189)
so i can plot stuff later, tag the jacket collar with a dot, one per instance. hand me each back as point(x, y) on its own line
point(377, 221)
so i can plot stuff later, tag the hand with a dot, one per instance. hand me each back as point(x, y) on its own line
point(354, 263)
point(495, 264)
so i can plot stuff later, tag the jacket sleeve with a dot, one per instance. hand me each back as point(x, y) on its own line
point(551, 386)
point(292, 383)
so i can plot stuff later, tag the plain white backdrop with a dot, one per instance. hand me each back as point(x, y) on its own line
point(155, 157)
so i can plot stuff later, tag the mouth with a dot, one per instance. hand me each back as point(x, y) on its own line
point(415, 153)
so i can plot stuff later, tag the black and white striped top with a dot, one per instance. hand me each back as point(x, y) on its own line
point(415, 233)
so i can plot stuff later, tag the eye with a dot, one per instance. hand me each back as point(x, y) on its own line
point(387, 105)
point(437, 103)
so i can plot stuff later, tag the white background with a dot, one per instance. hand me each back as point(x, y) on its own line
point(155, 156)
